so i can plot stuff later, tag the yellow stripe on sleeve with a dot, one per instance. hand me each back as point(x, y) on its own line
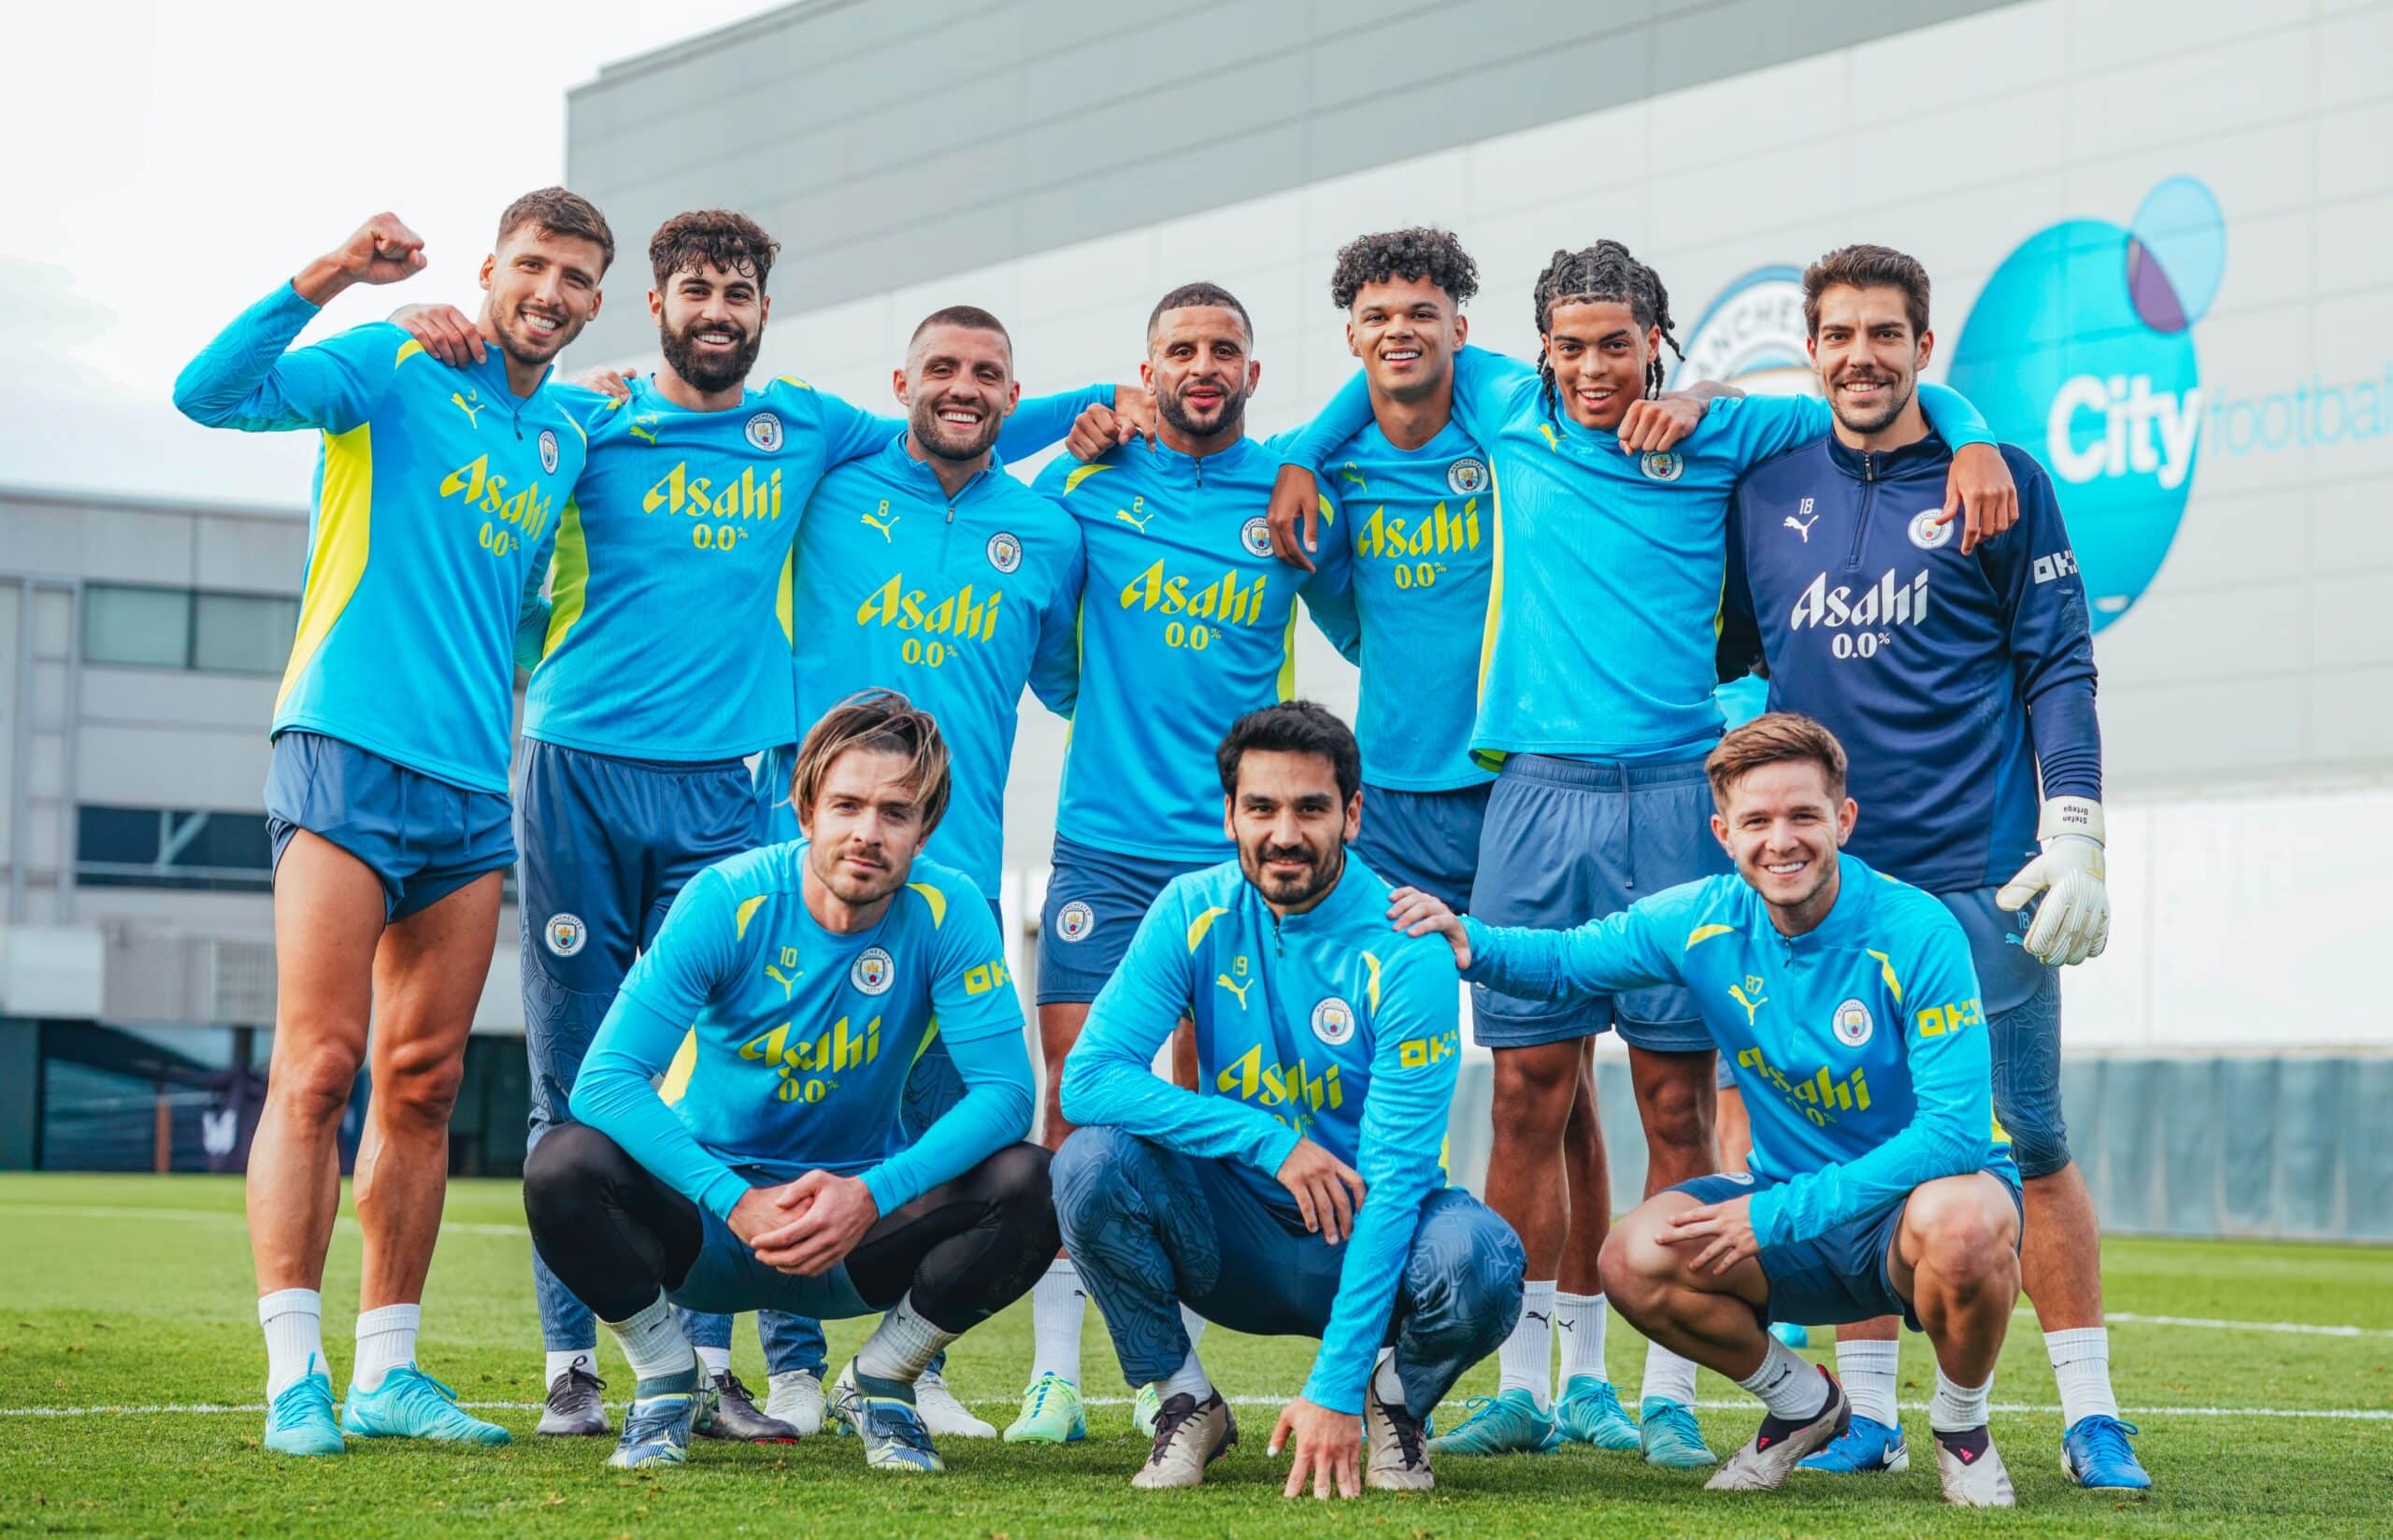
point(342, 545)
point(570, 579)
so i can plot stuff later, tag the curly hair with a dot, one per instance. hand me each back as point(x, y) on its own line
point(1422, 251)
point(711, 237)
point(1604, 272)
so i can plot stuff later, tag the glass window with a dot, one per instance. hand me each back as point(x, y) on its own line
point(243, 633)
point(136, 625)
point(164, 848)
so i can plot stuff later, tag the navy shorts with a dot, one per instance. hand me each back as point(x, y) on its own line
point(2022, 1000)
point(1566, 842)
point(1094, 901)
point(424, 837)
point(1834, 1277)
point(1427, 840)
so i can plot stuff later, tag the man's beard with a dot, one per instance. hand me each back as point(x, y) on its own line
point(1320, 876)
point(1898, 397)
point(935, 437)
point(682, 355)
point(1232, 410)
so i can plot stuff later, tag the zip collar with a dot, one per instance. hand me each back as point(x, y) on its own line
point(1348, 900)
point(1922, 455)
point(491, 375)
point(917, 475)
point(1848, 916)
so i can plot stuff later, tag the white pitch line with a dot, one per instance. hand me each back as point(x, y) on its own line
point(2209, 1325)
point(2336, 1413)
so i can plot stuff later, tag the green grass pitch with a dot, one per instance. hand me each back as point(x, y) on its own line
point(136, 1292)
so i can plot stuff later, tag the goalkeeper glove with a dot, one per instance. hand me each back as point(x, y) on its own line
point(2073, 923)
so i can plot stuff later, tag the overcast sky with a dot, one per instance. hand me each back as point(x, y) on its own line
point(170, 163)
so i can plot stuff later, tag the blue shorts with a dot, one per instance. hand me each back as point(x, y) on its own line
point(1094, 901)
point(1833, 1278)
point(1566, 842)
point(609, 843)
point(424, 837)
point(2022, 1000)
point(727, 1280)
point(1427, 840)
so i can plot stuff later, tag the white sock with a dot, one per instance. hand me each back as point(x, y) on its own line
point(2082, 1368)
point(717, 1359)
point(1193, 1324)
point(1670, 1377)
point(561, 1359)
point(653, 1342)
point(902, 1346)
point(1580, 1318)
point(1190, 1378)
point(1058, 1303)
point(1789, 1386)
point(1869, 1369)
point(385, 1341)
point(293, 1319)
point(1386, 1382)
point(1526, 1356)
point(1958, 1408)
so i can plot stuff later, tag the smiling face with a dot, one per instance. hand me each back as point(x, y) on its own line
point(1783, 826)
point(710, 324)
point(1406, 331)
point(1291, 826)
point(958, 387)
point(1199, 369)
point(543, 290)
point(866, 823)
point(1599, 355)
point(1869, 361)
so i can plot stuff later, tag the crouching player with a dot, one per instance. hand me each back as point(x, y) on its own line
point(769, 1171)
point(1300, 1192)
point(1880, 1182)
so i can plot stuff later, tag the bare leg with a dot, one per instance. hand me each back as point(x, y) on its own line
point(1736, 1128)
point(1059, 1028)
point(1587, 1187)
point(428, 973)
point(328, 912)
point(2061, 1259)
point(1712, 1318)
point(1953, 1259)
point(1674, 1098)
point(1527, 1176)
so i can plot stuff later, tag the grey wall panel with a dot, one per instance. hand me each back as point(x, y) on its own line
point(2279, 1148)
point(855, 129)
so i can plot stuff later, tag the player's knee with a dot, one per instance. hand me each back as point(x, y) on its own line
point(419, 1085)
point(1635, 1264)
point(1464, 1275)
point(1962, 1235)
point(563, 1174)
point(1018, 1177)
point(314, 1083)
point(1094, 1164)
point(1532, 1093)
point(1677, 1113)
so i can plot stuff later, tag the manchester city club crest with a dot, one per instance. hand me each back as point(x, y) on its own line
point(1662, 464)
point(1256, 537)
point(548, 451)
point(873, 971)
point(1333, 1020)
point(565, 933)
point(1005, 553)
point(764, 432)
point(1852, 1024)
point(1927, 533)
point(1467, 477)
point(1074, 920)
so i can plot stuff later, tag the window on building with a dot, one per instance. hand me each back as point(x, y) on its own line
point(243, 633)
point(182, 628)
point(136, 625)
point(172, 848)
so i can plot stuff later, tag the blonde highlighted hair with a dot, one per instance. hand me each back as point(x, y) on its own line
point(1774, 738)
point(877, 722)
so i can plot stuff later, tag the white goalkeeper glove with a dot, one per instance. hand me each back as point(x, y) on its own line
point(2073, 923)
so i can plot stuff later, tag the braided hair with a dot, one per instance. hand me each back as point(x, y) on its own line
point(1604, 272)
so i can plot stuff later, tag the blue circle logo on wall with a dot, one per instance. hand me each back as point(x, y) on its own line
point(1752, 335)
point(2080, 349)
